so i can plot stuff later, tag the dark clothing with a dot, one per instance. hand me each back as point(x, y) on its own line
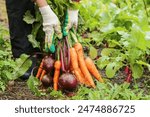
point(19, 30)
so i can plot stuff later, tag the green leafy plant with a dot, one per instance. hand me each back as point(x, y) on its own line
point(10, 69)
point(108, 91)
point(121, 29)
point(34, 84)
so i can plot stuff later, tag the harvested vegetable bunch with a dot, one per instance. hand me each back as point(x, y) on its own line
point(71, 66)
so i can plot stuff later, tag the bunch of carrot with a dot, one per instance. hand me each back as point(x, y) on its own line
point(83, 67)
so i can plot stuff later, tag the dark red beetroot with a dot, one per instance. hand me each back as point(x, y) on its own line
point(67, 82)
point(48, 63)
point(47, 80)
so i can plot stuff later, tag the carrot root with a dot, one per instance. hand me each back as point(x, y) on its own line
point(93, 70)
point(39, 70)
point(42, 75)
point(57, 66)
point(82, 65)
point(75, 67)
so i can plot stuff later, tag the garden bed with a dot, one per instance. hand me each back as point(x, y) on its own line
point(20, 90)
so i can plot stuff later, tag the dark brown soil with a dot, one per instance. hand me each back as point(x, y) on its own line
point(20, 91)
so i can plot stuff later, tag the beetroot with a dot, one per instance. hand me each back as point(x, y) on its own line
point(129, 78)
point(126, 70)
point(48, 63)
point(47, 80)
point(67, 82)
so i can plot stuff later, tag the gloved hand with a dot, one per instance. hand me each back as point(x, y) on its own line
point(71, 21)
point(51, 25)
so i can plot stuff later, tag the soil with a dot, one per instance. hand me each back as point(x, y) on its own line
point(19, 90)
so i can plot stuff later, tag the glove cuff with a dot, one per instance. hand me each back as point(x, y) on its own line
point(46, 10)
point(73, 13)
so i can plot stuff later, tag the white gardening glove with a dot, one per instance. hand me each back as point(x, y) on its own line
point(51, 25)
point(71, 21)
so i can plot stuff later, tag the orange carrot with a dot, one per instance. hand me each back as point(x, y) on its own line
point(71, 68)
point(82, 65)
point(92, 69)
point(42, 75)
point(74, 58)
point(74, 64)
point(81, 78)
point(57, 66)
point(39, 70)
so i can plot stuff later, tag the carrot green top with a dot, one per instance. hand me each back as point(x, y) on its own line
point(60, 6)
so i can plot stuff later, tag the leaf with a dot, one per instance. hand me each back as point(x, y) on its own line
point(138, 38)
point(56, 94)
point(113, 43)
point(33, 84)
point(107, 51)
point(137, 70)
point(9, 75)
point(147, 36)
point(140, 62)
point(95, 35)
point(108, 28)
point(102, 62)
point(133, 54)
point(22, 65)
point(93, 52)
point(112, 68)
point(35, 44)
point(28, 18)
point(2, 86)
point(110, 71)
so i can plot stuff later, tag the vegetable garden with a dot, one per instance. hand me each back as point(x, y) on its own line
point(113, 36)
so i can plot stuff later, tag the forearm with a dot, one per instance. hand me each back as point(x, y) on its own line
point(41, 3)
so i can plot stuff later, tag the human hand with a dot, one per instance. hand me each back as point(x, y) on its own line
point(51, 25)
point(71, 21)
